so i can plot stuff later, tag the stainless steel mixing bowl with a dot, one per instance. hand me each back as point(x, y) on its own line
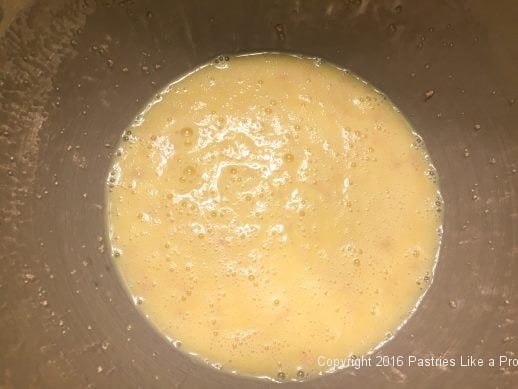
point(74, 73)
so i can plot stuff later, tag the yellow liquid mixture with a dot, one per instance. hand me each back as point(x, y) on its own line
point(266, 210)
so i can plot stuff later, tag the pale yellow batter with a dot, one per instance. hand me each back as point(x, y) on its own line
point(266, 210)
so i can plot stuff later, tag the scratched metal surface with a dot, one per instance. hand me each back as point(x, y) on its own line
point(74, 73)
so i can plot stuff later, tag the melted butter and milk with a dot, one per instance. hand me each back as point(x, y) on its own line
point(266, 210)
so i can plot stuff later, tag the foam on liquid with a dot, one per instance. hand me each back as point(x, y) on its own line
point(269, 209)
